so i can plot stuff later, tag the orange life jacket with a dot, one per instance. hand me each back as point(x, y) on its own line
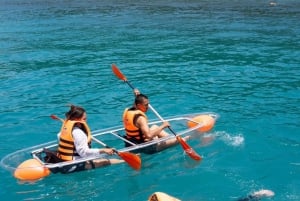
point(133, 133)
point(66, 147)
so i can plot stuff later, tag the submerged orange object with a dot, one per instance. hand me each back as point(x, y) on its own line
point(31, 169)
point(207, 121)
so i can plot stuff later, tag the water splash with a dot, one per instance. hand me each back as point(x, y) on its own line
point(230, 139)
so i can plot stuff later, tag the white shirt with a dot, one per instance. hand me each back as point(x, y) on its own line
point(81, 145)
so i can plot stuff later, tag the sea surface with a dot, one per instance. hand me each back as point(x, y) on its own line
point(237, 58)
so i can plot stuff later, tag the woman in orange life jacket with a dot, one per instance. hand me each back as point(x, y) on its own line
point(137, 129)
point(75, 141)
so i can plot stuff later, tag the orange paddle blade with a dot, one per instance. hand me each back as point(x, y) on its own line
point(188, 150)
point(118, 73)
point(133, 160)
point(56, 118)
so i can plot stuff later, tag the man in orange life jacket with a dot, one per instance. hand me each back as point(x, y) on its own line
point(75, 141)
point(137, 129)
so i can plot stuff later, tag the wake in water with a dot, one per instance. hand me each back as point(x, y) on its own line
point(232, 140)
point(258, 195)
point(228, 139)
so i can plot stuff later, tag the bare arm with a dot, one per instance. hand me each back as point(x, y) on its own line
point(150, 134)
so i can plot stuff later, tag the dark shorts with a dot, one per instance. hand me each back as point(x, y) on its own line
point(146, 150)
point(69, 168)
point(149, 150)
point(51, 157)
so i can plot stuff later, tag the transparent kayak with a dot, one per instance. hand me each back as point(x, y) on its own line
point(184, 125)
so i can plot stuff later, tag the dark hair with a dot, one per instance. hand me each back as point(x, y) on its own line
point(75, 112)
point(139, 99)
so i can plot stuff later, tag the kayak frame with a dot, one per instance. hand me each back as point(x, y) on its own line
point(113, 135)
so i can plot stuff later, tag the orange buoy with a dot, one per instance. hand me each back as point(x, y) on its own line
point(31, 169)
point(160, 196)
point(207, 121)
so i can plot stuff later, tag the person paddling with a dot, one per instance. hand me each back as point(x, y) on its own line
point(137, 129)
point(75, 141)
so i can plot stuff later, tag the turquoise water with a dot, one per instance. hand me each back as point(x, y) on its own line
point(239, 59)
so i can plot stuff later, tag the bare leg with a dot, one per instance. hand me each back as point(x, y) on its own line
point(101, 162)
point(166, 144)
point(162, 133)
point(165, 134)
point(115, 161)
point(169, 143)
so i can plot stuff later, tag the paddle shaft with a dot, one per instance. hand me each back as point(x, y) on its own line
point(156, 113)
point(102, 143)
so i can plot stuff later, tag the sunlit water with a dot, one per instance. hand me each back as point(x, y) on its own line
point(239, 59)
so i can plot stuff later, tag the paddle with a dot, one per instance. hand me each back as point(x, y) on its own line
point(132, 160)
point(188, 150)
